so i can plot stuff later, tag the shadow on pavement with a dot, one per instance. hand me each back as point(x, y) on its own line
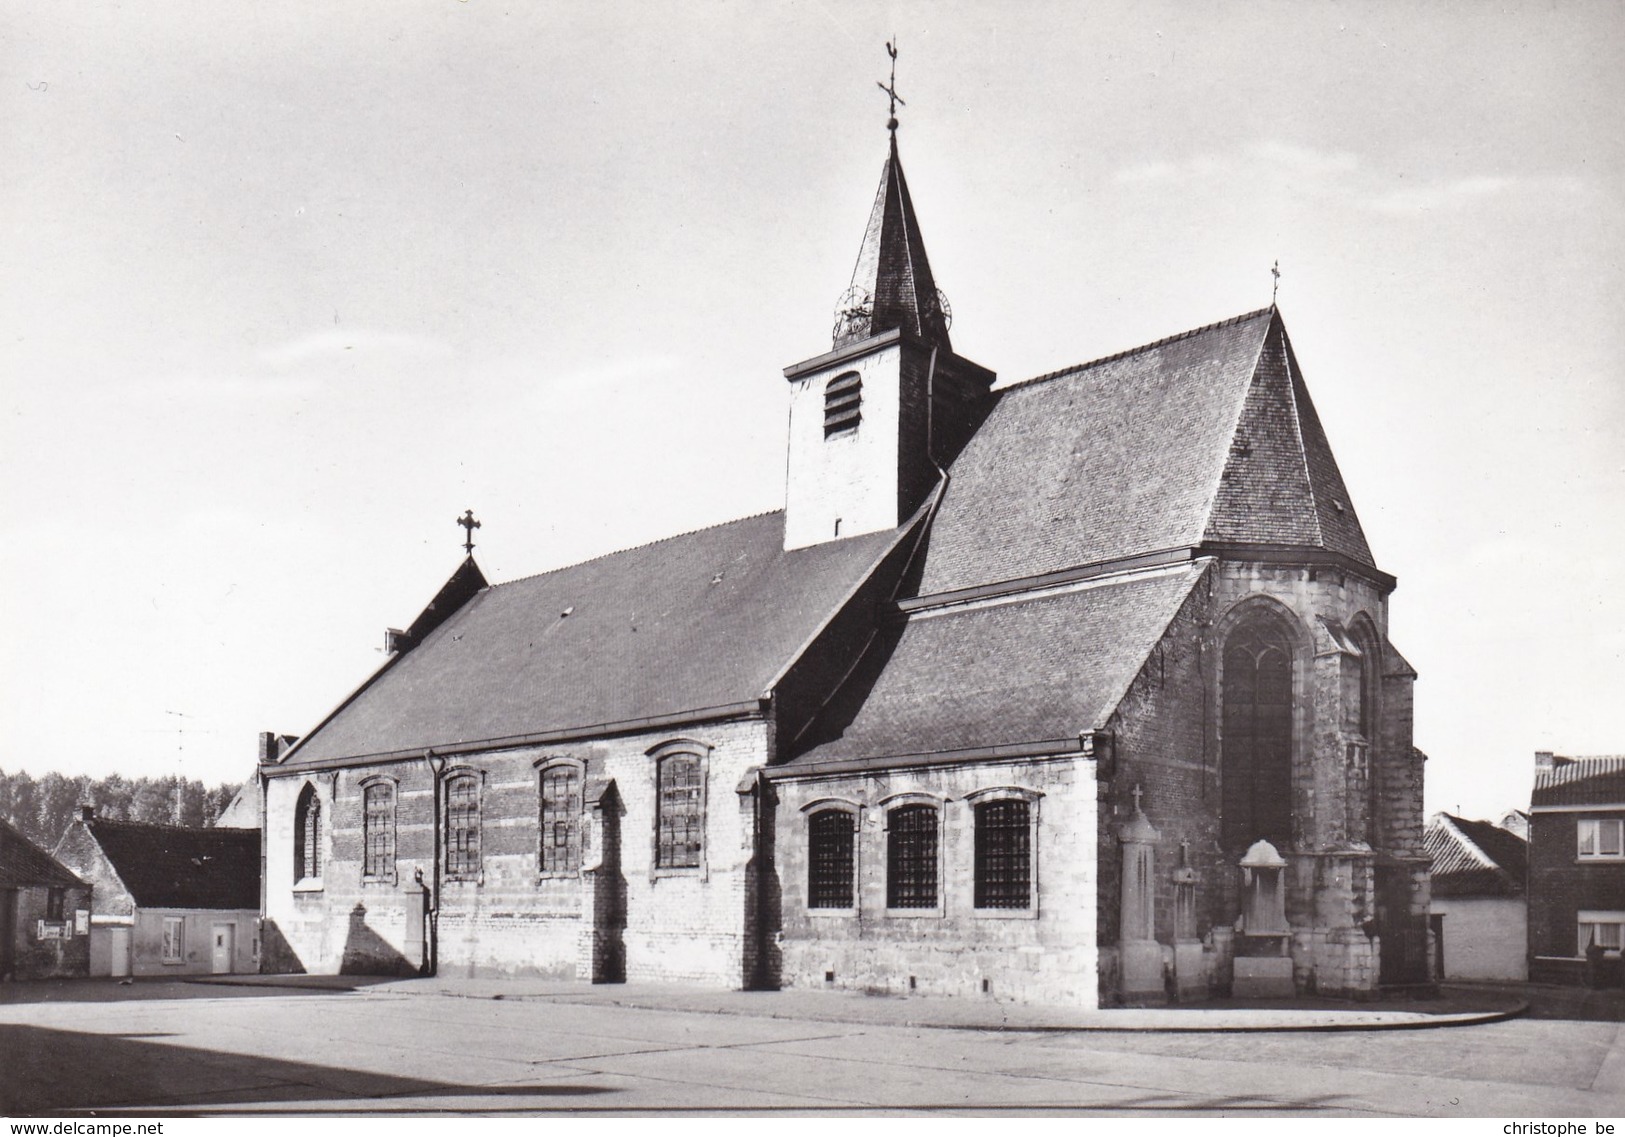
point(60, 1071)
point(117, 990)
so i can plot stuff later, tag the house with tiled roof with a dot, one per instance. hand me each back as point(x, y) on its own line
point(171, 899)
point(1077, 689)
point(1577, 868)
point(1480, 909)
point(44, 912)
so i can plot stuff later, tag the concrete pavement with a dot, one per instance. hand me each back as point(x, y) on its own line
point(1454, 1006)
point(332, 1046)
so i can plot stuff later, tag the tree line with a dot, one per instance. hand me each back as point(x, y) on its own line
point(43, 807)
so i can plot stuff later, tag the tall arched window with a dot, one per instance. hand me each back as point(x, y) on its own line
point(1257, 723)
point(680, 811)
point(560, 819)
point(307, 835)
point(378, 831)
point(463, 827)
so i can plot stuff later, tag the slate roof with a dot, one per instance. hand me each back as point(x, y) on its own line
point(24, 864)
point(1206, 436)
point(701, 620)
point(1594, 780)
point(1476, 858)
point(892, 273)
point(1035, 669)
point(172, 866)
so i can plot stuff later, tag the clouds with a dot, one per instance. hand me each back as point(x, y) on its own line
point(1345, 176)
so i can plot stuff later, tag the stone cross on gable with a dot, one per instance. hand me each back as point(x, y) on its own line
point(469, 525)
point(1138, 793)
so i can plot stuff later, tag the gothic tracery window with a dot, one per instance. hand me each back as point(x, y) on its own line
point(1257, 742)
point(307, 836)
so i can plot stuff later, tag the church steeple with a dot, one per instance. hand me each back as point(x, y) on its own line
point(892, 285)
point(875, 421)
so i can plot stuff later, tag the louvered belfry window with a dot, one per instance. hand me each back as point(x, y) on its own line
point(307, 839)
point(843, 403)
point(681, 833)
point(1003, 855)
point(830, 835)
point(1257, 717)
point(911, 857)
point(378, 817)
point(463, 827)
point(561, 819)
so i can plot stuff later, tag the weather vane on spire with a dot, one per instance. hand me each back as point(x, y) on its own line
point(469, 525)
point(1275, 285)
point(891, 87)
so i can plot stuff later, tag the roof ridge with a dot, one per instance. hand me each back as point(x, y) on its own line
point(633, 548)
point(124, 821)
point(1451, 824)
point(1115, 356)
point(1293, 382)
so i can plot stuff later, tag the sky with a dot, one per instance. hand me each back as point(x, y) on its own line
point(292, 286)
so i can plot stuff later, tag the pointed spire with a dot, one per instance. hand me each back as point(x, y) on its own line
point(892, 286)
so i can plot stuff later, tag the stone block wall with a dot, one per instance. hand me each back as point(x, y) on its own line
point(35, 957)
point(1045, 953)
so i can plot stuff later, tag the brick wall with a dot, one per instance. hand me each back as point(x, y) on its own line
point(1560, 885)
point(509, 920)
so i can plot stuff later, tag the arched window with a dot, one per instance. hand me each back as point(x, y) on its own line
point(1257, 723)
point(463, 827)
point(307, 836)
point(560, 819)
point(911, 857)
point(1004, 864)
point(843, 404)
point(831, 843)
point(378, 825)
point(680, 811)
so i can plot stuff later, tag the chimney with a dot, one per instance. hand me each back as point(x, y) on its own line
point(396, 641)
point(87, 813)
point(1543, 760)
point(267, 747)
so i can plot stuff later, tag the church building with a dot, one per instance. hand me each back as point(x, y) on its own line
point(1074, 690)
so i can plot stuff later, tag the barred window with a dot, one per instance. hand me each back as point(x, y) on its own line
point(843, 402)
point(55, 902)
point(911, 857)
point(378, 822)
point(307, 836)
point(680, 835)
point(830, 834)
point(463, 827)
point(560, 819)
point(1004, 862)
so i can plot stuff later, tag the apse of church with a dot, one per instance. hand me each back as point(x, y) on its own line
point(1000, 705)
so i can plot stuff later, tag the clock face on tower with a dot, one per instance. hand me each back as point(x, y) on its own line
point(852, 312)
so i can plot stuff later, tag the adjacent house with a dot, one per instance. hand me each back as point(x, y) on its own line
point(1480, 910)
point(44, 912)
point(1577, 868)
point(171, 900)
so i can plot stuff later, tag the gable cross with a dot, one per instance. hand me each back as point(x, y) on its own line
point(1275, 286)
point(1138, 792)
point(469, 525)
point(891, 87)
